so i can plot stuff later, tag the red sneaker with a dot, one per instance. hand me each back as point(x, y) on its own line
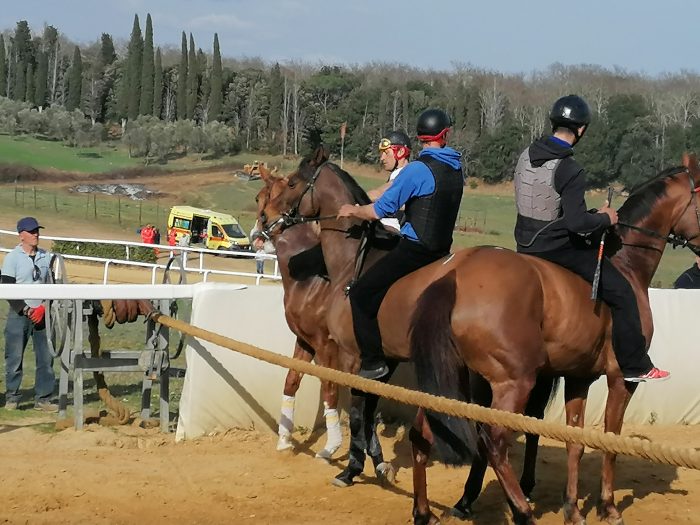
point(654, 374)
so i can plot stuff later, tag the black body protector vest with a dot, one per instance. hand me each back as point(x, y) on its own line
point(433, 216)
point(535, 196)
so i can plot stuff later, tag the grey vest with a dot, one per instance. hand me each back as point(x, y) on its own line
point(535, 196)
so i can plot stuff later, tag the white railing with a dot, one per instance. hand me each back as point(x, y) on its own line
point(205, 272)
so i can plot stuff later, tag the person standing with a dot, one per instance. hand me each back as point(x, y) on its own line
point(259, 245)
point(689, 278)
point(27, 264)
point(552, 217)
point(430, 188)
point(394, 151)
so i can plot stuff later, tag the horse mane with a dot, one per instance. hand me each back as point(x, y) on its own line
point(306, 171)
point(644, 196)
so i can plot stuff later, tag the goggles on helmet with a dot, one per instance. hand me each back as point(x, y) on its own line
point(384, 144)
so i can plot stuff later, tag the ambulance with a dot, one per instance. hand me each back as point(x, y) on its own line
point(213, 229)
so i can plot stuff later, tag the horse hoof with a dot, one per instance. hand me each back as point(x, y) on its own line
point(461, 513)
point(341, 483)
point(425, 519)
point(386, 473)
point(345, 478)
point(326, 453)
point(284, 444)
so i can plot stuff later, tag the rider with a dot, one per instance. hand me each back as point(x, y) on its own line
point(394, 151)
point(431, 190)
point(552, 217)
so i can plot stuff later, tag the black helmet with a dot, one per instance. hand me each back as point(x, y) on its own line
point(570, 112)
point(395, 138)
point(432, 124)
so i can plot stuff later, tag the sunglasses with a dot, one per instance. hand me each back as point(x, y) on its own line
point(35, 231)
point(36, 273)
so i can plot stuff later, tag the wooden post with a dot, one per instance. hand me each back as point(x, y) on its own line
point(94, 204)
point(140, 212)
point(34, 188)
point(55, 202)
point(119, 209)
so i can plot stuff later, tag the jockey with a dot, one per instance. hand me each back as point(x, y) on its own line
point(394, 151)
point(431, 190)
point(552, 217)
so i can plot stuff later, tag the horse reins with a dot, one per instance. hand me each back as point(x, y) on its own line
point(672, 238)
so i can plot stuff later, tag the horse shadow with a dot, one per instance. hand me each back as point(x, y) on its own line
point(642, 477)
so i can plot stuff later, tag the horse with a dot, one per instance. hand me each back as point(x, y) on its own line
point(496, 315)
point(306, 292)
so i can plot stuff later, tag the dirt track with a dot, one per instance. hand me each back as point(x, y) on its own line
point(129, 475)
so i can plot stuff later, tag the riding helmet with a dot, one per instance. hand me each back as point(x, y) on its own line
point(432, 124)
point(570, 112)
point(399, 138)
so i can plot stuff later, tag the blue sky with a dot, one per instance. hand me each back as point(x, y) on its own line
point(510, 36)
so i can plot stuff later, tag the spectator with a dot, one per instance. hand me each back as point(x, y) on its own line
point(259, 246)
point(27, 264)
point(156, 240)
point(172, 237)
point(689, 278)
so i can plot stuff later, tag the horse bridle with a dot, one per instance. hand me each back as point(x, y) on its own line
point(292, 217)
point(674, 239)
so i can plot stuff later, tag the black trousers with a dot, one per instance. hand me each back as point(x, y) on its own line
point(367, 293)
point(614, 289)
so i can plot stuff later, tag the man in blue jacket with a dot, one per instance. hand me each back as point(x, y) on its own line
point(430, 188)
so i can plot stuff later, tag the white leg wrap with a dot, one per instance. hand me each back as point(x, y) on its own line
point(334, 437)
point(286, 423)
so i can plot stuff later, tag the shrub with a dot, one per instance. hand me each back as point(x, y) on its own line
point(106, 251)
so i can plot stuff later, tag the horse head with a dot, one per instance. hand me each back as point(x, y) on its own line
point(282, 201)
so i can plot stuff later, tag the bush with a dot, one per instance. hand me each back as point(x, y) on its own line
point(106, 251)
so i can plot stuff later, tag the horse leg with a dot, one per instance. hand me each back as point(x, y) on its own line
point(358, 441)
point(619, 395)
point(535, 408)
point(328, 356)
point(575, 393)
point(383, 469)
point(480, 393)
point(291, 385)
point(421, 442)
point(511, 396)
point(334, 436)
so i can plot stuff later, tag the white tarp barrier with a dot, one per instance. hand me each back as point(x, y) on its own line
point(674, 348)
point(224, 389)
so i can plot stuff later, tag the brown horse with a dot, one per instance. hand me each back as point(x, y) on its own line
point(306, 292)
point(507, 318)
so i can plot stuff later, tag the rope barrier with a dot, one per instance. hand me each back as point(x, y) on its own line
point(604, 441)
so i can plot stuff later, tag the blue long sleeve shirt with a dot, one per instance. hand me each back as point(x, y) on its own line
point(415, 180)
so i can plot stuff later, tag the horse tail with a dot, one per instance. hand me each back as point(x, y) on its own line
point(440, 370)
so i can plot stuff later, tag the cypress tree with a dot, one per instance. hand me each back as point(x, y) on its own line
point(23, 56)
point(158, 86)
point(107, 53)
point(182, 81)
point(192, 84)
point(276, 96)
point(29, 83)
point(147, 72)
point(20, 81)
point(75, 81)
point(42, 78)
point(135, 56)
point(3, 69)
point(216, 88)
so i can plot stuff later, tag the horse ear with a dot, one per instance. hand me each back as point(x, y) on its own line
point(321, 154)
point(266, 175)
point(690, 161)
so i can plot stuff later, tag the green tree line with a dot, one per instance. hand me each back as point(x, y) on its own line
point(167, 101)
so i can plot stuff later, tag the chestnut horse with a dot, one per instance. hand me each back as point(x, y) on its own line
point(504, 317)
point(306, 292)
